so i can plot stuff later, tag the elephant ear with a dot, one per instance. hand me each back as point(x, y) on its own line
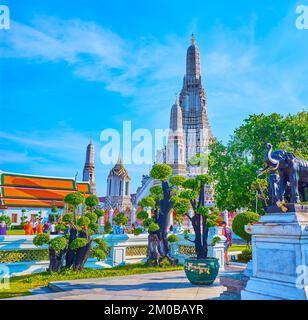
point(290, 156)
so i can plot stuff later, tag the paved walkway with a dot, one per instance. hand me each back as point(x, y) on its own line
point(155, 286)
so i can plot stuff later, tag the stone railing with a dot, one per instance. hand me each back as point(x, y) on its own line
point(21, 257)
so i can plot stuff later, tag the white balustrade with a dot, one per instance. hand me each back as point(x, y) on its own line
point(119, 245)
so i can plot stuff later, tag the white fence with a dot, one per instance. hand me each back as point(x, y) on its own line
point(123, 249)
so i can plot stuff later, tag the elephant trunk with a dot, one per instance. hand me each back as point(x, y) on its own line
point(268, 157)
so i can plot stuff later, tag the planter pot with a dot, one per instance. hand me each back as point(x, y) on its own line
point(201, 271)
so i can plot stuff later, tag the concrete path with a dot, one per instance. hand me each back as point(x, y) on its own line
point(172, 285)
point(156, 286)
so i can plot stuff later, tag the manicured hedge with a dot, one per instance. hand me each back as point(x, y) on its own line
point(240, 221)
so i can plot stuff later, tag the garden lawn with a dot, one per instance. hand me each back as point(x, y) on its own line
point(15, 232)
point(237, 247)
point(21, 285)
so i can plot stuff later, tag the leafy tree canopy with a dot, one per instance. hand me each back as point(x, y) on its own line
point(92, 201)
point(233, 166)
point(74, 199)
point(161, 172)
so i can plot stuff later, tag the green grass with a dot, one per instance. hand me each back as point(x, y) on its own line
point(15, 232)
point(20, 286)
point(237, 247)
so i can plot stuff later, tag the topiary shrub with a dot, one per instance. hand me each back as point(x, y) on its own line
point(121, 219)
point(246, 255)
point(92, 216)
point(161, 171)
point(240, 221)
point(107, 227)
point(6, 219)
point(101, 251)
point(68, 218)
point(99, 212)
point(215, 240)
point(146, 223)
point(173, 238)
point(83, 222)
point(41, 239)
point(61, 227)
point(142, 215)
point(165, 262)
point(58, 244)
point(153, 227)
point(78, 243)
point(137, 231)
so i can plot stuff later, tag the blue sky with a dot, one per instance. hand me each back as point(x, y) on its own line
point(70, 69)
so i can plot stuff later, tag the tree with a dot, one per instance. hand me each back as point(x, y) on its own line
point(74, 199)
point(234, 165)
point(77, 244)
point(160, 202)
point(121, 219)
point(190, 194)
point(91, 202)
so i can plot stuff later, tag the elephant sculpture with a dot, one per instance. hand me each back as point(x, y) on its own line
point(273, 185)
point(292, 171)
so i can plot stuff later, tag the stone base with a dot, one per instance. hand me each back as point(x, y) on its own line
point(235, 282)
point(280, 253)
point(263, 289)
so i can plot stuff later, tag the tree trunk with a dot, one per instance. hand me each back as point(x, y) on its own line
point(56, 260)
point(82, 256)
point(153, 248)
point(70, 256)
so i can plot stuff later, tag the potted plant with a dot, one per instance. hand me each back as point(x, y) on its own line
point(190, 194)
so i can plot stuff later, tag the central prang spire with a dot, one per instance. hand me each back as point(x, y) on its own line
point(193, 70)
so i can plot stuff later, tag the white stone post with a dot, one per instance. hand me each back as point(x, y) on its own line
point(217, 251)
point(110, 215)
point(149, 211)
point(133, 216)
point(171, 219)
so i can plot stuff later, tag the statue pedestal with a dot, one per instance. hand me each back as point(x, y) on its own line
point(280, 257)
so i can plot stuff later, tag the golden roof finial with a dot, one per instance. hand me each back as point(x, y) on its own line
point(176, 99)
point(192, 39)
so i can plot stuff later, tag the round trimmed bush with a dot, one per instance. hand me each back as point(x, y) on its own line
point(61, 227)
point(101, 243)
point(137, 231)
point(68, 218)
point(78, 243)
point(161, 171)
point(240, 221)
point(41, 239)
point(6, 219)
point(153, 227)
point(107, 227)
point(92, 216)
point(99, 254)
point(58, 244)
point(246, 255)
point(99, 212)
point(173, 238)
point(83, 222)
point(142, 215)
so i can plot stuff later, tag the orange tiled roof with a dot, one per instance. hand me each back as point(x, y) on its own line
point(18, 190)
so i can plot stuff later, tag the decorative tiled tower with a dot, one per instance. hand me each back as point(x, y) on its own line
point(197, 130)
point(118, 187)
point(89, 170)
point(176, 146)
